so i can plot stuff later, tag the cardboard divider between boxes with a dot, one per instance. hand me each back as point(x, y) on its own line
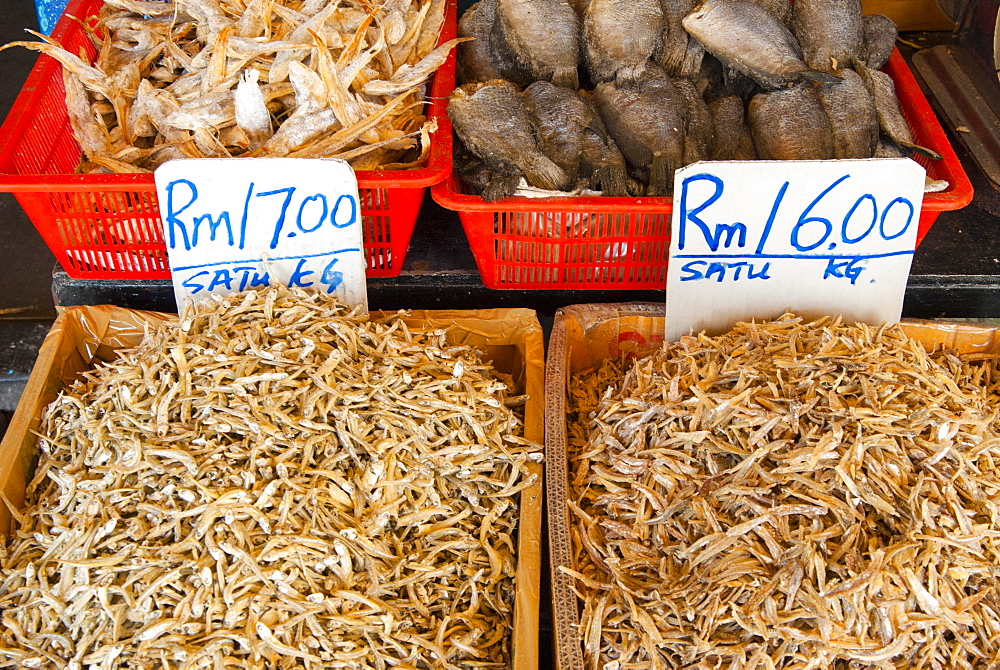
point(82, 337)
point(583, 336)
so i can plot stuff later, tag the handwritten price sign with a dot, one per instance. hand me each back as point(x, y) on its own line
point(236, 224)
point(751, 240)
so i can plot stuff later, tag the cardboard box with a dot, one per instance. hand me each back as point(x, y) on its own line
point(81, 337)
point(910, 14)
point(585, 335)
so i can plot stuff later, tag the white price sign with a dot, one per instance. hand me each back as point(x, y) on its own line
point(751, 240)
point(233, 224)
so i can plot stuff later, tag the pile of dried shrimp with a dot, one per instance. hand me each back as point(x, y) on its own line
point(276, 483)
point(301, 78)
point(788, 495)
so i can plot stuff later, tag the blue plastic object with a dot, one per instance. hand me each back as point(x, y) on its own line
point(49, 12)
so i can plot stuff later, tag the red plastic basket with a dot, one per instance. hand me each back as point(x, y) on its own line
point(109, 226)
point(624, 243)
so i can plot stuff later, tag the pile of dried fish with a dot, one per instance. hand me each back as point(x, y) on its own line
point(666, 83)
point(222, 78)
point(275, 483)
point(788, 495)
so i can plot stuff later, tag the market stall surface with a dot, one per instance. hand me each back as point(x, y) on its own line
point(956, 271)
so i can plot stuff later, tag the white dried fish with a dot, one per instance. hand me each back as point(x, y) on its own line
point(252, 115)
point(91, 135)
point(202, 55)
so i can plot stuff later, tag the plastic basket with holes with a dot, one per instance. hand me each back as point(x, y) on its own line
point(109, 226)
point(624, 243)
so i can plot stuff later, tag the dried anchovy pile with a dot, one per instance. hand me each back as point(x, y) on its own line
point(788, 495)
point(303, 78)
point(276, 483)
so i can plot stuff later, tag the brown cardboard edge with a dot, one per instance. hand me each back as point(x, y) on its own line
point(571, 323)
point(79, 333)
point(567, 646)
point(19, 444)
point(529, 544)
point(574, 321)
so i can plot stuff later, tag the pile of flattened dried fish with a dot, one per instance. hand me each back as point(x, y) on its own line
point(666, 83)
point(301, 78)
point(788, 495)
point(275, 483)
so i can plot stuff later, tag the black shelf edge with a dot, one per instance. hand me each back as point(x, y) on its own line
point(927, 296)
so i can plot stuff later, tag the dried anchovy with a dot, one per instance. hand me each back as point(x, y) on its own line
point(788, 495)
point(275, 483)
